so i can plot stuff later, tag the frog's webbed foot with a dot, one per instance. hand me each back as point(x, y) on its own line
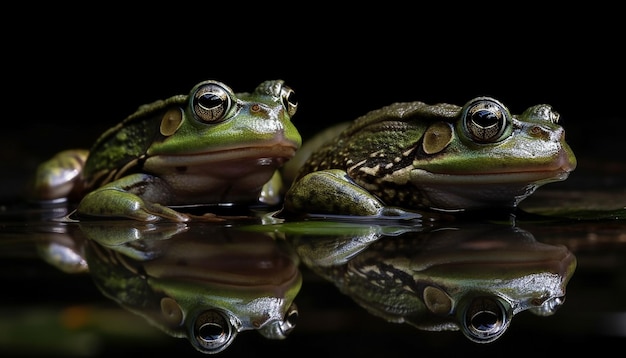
point(112, 202)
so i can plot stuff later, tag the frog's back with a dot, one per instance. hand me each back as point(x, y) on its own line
point(121, 148)
point(415, 112)
point(394, 124)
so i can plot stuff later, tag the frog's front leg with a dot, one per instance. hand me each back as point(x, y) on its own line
point(332, 192)
point(136, 196)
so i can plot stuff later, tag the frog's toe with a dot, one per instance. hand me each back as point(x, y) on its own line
point(395, 213)
point(165, 213)
point(115, 203)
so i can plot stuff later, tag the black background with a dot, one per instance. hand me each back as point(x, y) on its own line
point(67, 78)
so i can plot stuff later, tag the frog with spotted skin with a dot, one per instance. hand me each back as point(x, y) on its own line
point(212, 146)
point(409, 157)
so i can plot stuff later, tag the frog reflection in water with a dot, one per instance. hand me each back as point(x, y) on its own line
point(414, 156)
point(209, 147)
point(203, 282)
point(468, 278)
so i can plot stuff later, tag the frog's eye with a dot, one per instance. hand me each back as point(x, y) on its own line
point(212, 331)
point(485, 120)
point(485, 319)
point(211, 102)
point(290, 100)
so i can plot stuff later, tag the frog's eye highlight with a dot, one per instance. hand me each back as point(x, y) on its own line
point(211, 102)
point(290, 100)
point(212, 331)
point(485, 120)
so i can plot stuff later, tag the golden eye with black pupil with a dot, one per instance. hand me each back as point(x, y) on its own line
point(485, 120)
point(290, 100)
point(211, 103)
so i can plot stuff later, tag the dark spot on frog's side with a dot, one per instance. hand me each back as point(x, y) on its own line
point(181, 169)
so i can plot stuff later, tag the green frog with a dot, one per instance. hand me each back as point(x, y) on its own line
point(472, 277)
point(210, 147)
point(206, 283)
point(203, 282)
point(412, 157)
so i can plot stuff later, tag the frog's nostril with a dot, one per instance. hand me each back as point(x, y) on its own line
point(260, 109)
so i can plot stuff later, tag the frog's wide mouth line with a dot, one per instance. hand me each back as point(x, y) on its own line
point(537, 177)
point(213, 274)
point(264, 154)
point(515, 257)
point(558, 170)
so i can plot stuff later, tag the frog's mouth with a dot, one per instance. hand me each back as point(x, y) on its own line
point(461, 191)
point(557, 170)
point(227, 269)
point(273, 154)
point(535, 177)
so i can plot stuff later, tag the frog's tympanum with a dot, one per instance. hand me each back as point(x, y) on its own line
point(414, 156)
point(210, 147)
point(473, 279)
point(206, 283)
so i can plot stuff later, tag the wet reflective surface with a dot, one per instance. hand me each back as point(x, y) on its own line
point(206, 283)
point(259, 284)
point(468, 278)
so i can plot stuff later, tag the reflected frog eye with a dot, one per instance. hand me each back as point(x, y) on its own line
point(485, 120)
point(212, 331)
point(290, 320)
point(290, 100)
point(211, 102)
point(485, 319)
